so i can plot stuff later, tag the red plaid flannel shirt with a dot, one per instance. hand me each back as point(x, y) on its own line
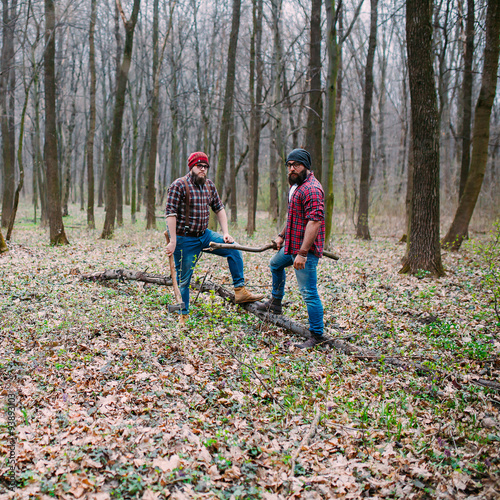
point(307, 203)
point(202, 197)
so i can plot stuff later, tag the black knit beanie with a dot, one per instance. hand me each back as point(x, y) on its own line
point(302, 156)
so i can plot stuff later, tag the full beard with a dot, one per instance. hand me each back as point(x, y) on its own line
point(298, 179)
point(198, 179)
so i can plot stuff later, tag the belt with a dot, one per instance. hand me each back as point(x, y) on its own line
point(192, 234)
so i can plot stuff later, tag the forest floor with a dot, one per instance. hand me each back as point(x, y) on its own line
point(111, 400)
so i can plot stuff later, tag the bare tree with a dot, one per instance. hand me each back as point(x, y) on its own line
point(314, 129)
point(112, 166)
point(255, 113)
point(362, 230)
point(228, 97)
point(92, 118)
point(7, 107)
point(424, 252)
point(466, 97)
point(57, 234)
point(481, 131)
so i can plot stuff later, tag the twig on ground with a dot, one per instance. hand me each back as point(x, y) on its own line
point(305, 440)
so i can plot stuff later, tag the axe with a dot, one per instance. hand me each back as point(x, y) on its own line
point(180, 304)
point(263, 248)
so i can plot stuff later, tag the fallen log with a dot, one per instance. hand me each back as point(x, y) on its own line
point(284, 322)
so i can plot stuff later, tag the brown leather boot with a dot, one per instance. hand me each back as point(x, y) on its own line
point(312, 341)
point(242, 296)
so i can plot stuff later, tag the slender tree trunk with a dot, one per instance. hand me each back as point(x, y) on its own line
point(154, 117)
point(57, 234)
point(228, 98)
point(278, 168)
point(481, 131)
point(92, 120)
point(7, 108)
point(362, 230)
point(112, 167)
point(466, 97)
point(333, 57)
point(314, 129)
point(19, 161)
point(255, 115)
point(232, 174)
point(423, 251)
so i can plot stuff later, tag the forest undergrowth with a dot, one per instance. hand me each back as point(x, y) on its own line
point(112, 400)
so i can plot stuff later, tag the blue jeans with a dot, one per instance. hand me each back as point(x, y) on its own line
point(308, 286)
point(186, 255)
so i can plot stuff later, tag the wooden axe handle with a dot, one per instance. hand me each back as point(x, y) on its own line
point(173, 273)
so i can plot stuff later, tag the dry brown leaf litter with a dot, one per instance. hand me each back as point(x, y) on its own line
point(114, 402)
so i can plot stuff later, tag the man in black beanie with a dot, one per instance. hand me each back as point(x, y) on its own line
point(301, 243)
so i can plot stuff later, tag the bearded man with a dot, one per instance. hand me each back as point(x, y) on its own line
point(187, 212)
point(301, 243)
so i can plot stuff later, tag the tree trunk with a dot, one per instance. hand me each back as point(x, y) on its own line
point(232, 174)
point(255, 114)
point(112, 166)
point(424, 253)
point(7, 108)
point(278, 169)
point(333, 56)
point(314, 129)
point(154, 119)
point(228, 98)
point(19, 161)
point(466, 97)
point(481, 131)
point(57, 234)
point(92, 119)
point(362, 230)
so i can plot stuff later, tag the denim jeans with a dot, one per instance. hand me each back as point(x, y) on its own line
point(308, 286)
point(186, 255)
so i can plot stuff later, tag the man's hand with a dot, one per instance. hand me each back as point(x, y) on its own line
point(171, 248)
point(279, 242)
point(299, 262)
point(228, 238)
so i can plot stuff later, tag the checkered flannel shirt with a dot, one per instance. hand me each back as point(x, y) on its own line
point(201, 197)
point(307, 203)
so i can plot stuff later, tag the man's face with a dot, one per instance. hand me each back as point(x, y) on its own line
point(200, 173)
point(297, 173)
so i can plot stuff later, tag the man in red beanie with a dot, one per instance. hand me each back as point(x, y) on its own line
point(187, 211)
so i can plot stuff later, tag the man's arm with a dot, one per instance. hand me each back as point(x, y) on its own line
point(172, 226)
point(222, 218)
point(310, 234)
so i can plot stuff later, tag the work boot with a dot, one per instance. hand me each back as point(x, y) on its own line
point(182, 319)
point(272, 305)
point(312, 341)
point(243, 296)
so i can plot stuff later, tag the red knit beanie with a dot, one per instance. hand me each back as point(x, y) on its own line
point(197, 157)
